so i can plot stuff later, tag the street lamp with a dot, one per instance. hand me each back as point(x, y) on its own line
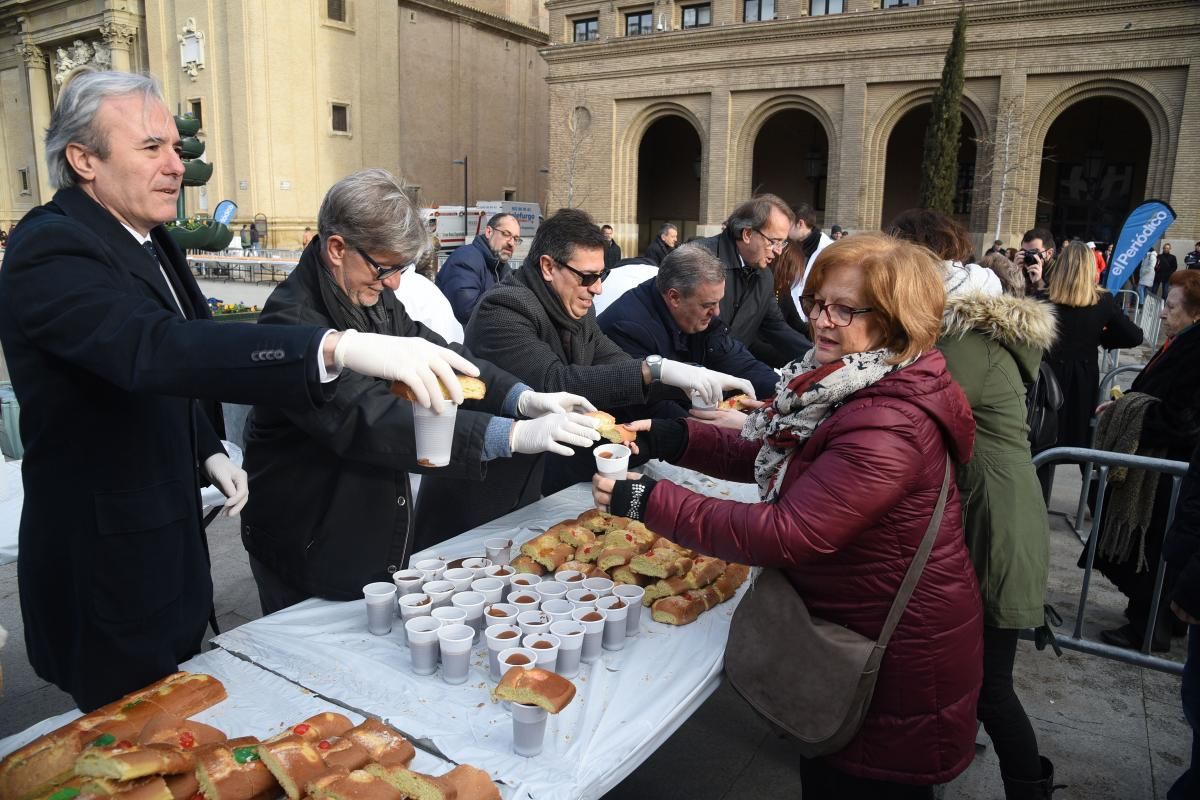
point(465, 164)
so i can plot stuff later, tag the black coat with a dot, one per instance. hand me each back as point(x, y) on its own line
point(657, 251)
point(612, 254)
point(1183, 542)
point(1075, 361)
point(750, 309)
point(330, 507)
point(113, 565)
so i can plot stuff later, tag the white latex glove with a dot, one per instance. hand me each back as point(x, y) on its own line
point(708, 384)
point(536, 404)
point(231, 479)
point(553, 432)
point(413, 361)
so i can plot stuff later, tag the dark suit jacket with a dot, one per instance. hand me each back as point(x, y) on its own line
point(750, 309)
point(657, 250)
point(113, 567)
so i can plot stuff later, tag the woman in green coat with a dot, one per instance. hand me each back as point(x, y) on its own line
point(993, 345)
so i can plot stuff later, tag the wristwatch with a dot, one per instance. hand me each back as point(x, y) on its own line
point(655, 365)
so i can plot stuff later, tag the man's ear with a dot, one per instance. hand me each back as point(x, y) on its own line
point(546, 263)
point(82, 161)
point(334, 250)
point(672, 297)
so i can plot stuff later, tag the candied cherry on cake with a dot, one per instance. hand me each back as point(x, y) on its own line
point(187, 739)
point(301, 729)
point(323, 744)
point(124, 744)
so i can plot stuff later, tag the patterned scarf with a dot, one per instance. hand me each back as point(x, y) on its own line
point(807, 393)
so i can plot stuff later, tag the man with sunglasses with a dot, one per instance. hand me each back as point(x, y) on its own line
point(474, 268)
point(755, 234)
point(540, 325)
point(331, 506)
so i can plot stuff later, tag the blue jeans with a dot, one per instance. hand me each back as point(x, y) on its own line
point(1188, 785)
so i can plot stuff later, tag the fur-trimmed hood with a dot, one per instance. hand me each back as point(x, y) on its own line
point(1024, 326)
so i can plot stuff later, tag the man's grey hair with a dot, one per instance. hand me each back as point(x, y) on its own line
point(755, 212)
point(376, 211)
point(686, 268)
point(665, 229)
point(74, 118)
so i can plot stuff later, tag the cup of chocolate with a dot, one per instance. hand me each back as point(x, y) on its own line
point(601, 586)
point(632, 595)
point(533, 622)
point(516, 658)
point(499, 637)
point(582, 598)
point(557, 609)
point(472, 604)
point(616, 610)
point(592, 620)
point(381, 606)
point(612, 460)
point(477, 565)
point(529, 729)
point(454, 642)
point(408, 581)
point(570, 646)
point(501, 612)
point(460, 577)
point(412, 606)
point(546, 646)
point(439, 592)
point(573, 578)
point(423, 643)
point(501, 573)
point(431, 568)
point(525, 600)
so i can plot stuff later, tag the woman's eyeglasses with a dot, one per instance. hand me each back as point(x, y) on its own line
point(585, 278)
point(840, 315)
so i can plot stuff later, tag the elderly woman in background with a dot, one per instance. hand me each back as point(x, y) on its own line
point(993, 345)
point(849, 459)
point(1170, 429)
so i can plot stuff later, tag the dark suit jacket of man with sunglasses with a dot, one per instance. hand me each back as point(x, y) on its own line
point(749, 307)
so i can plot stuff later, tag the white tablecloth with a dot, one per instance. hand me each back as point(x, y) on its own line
point(259, 704)
point(628, 702)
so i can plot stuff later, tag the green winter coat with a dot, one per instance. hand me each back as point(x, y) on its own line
point(993, 346)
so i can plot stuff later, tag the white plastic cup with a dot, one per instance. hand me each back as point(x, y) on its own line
point(570, 646)
point(616, 610)
point(434, 433)
point(477, 565)
point(501, 572)
point(612, 460)
point(449, 615)
point(546, 646)
point(582, 598)
point(461, 577)
point(431, 568)
point(423, 643)
point(522, 582)
point(552, 590)
point(557, 609)
point(593, 632)
point(499, 637)
point(492, 589)
point(632, 595)
point(698, 402)
point(497, 613)
point(381, 606)
point(572, 578)
point(411, 607)
point(498, 551)
point(601, 586)
point(516, 658)
point(525, 600)
point(439, 592)
point(533, 622)
point(408, 581)
point(529, 729)
point(472, 604)
point(454, 642)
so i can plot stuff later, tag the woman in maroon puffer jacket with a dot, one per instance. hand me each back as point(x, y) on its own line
point(850, 458)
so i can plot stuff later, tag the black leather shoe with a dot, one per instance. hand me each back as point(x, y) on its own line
point(1129, 637)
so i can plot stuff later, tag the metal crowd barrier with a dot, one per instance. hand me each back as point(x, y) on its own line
point(1149, 320)
point(1105, 460)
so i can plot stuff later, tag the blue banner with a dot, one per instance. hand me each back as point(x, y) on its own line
point(1144, 226)
point(225, 211)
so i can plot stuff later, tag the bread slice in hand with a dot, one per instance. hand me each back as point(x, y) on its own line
point(472, 389)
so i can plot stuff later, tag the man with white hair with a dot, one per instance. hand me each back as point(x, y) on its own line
point(109, 343)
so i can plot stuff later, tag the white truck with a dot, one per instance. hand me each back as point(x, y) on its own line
point(450, 222)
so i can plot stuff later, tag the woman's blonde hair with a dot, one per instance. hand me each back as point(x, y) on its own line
point(902, 281)
point(1072, 280)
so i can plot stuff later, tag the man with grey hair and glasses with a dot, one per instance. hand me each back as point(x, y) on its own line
point(110, 346)
point(473, 269)
point(331, 508)
point(675, 314)
point(755, 233)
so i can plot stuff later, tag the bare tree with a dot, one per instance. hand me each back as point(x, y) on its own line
point(579, 127)
point(1002, 162)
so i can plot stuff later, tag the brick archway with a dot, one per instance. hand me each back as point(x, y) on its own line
point(752, 126)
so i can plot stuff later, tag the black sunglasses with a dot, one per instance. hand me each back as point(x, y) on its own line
point(585, 278)
point(383, 272)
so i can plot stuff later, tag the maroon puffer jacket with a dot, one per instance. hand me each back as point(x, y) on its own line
point(851, 512)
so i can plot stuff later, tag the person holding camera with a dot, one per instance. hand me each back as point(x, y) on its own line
point(1033, 258)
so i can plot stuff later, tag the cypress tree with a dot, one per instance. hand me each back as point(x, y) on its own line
point(939, 169)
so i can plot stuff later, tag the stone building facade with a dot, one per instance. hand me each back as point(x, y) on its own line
point(295, 94)
point(675, 110)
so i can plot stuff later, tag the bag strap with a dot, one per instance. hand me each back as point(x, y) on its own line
point(918, 564)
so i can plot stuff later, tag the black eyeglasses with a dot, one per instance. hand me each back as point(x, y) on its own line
point(778, 245)
point(585, 278)
point(840, 315)
point(382, 271)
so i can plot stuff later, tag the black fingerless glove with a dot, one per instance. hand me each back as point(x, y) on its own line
point(631, 498)
point(666, 440)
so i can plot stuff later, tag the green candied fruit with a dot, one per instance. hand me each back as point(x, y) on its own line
point(243, 754)
point(103, 740)
point(68, 793)
point(132, 703)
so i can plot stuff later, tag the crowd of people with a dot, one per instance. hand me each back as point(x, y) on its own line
point(885, 360)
